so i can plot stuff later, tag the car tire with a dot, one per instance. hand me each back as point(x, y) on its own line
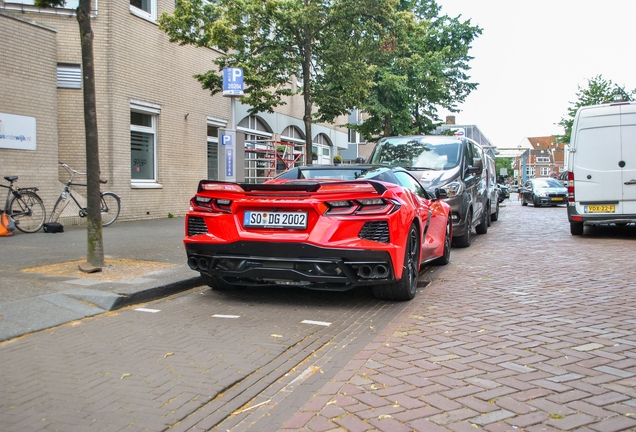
point(523, 202)
point(536, 202)
point(576, 228)
point(216, 283)
point(445, 258)
point(463, 241)
point(405, 288)
point(482, 228)
point(495, 216)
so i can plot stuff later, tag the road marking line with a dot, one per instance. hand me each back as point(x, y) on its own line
point(147, 310)
point(322, 323)
point(225, 316)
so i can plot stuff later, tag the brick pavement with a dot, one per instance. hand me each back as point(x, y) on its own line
point(528, 329)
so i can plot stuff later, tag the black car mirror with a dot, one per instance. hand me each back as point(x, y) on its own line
point(440, 193)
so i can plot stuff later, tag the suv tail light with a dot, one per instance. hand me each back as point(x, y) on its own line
point(570, 186)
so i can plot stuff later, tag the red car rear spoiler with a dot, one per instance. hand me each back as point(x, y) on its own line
point(293, 186)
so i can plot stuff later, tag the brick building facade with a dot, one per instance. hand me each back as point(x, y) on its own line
point(158, 129)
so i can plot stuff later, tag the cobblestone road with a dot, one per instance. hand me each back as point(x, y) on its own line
point(528, 329)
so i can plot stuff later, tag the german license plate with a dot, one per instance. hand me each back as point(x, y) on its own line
point(605, 208)
point(257, 219)
point(557, 199)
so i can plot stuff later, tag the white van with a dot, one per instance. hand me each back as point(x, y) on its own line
point(602, 166)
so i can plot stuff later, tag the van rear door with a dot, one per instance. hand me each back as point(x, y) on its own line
point(628, 156)
point(597, 176)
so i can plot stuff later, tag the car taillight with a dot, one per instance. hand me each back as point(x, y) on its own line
point(570, 186)
point(372, 206)
point(201, 203)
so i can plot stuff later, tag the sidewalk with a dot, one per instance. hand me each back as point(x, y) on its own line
point(31, 301)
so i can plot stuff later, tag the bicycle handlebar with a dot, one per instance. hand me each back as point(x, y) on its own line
point(71, 169)
point(101, 180)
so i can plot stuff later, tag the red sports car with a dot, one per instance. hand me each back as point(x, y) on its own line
point(328, 228)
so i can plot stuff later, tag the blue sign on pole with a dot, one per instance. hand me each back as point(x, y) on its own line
point(232, 82)
point(229, 163)
point(226, 140)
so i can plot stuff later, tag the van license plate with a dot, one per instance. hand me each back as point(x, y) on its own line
point(599, 209)
point(257, 219)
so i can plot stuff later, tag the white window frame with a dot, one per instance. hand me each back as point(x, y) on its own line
point(545, 172)
point(150, 15)
point(153, 110)
point(543, 159)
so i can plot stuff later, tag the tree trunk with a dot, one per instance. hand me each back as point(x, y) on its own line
point(387, 125)
point(308, 103)
point(95, 253)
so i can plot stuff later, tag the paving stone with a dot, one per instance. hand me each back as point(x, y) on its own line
point(572, 421)
point(606, 398)
point(491, 417)
point(616, 423)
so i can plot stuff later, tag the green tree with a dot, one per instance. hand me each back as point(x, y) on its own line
point(322, 45)
point(95, 253)
point(598, 91)
point(502, 162)
point(419, 69)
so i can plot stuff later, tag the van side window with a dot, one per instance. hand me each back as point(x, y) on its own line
point(470, 153)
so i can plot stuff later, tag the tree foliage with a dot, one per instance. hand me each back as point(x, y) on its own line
point(420, 69)
point(503, 162)
point(321, 45)
point(95, 249)
point(598, 91)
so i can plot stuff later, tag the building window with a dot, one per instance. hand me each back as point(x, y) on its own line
point(545, 172)
point(322, 148)
point(530, 171)
point(144, 8)
point(561, 168)
point(543, 159)
point(143, 145)
point(69, 76)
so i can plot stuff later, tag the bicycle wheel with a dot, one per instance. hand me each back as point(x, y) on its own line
point(58, 208)
point(110, 208)
point(27, 210)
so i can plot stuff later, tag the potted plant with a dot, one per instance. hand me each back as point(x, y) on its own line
point(337, 160)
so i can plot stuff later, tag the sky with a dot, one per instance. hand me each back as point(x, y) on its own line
point(533, 54)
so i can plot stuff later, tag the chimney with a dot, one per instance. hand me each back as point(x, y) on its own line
point(450, 120)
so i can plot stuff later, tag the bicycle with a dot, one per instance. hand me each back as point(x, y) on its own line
point(110, 201)
point(24, 206)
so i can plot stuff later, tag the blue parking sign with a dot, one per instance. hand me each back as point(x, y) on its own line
point(233, 82)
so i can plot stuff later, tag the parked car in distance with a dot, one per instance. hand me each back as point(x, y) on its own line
point(543, 191)
point(504, 192)
point(454, 163)
point(319, 227)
